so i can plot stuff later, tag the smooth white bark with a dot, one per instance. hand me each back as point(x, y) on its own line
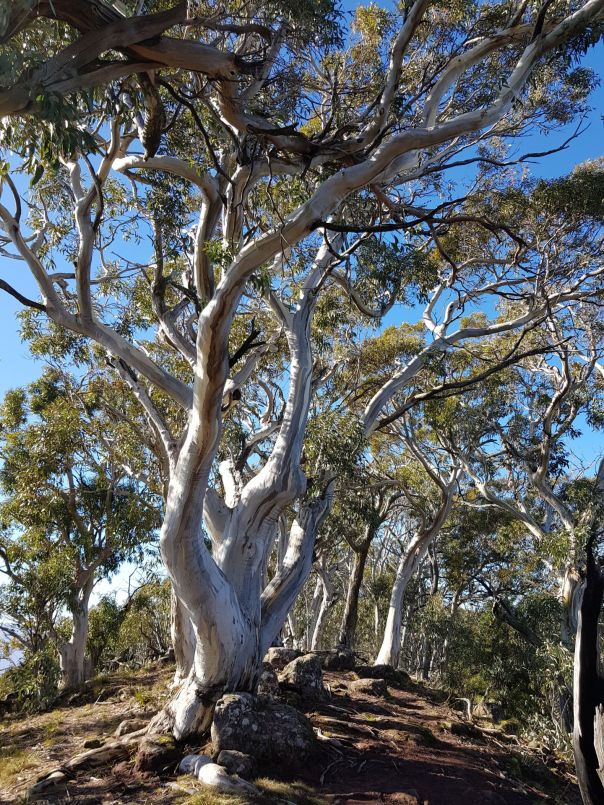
point(74, 663)
point(411, 559)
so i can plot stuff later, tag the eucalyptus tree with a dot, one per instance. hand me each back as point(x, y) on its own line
point(366, 511)
point(268, 144)
point(517, 452)
point(429, 516)
point(70, 515)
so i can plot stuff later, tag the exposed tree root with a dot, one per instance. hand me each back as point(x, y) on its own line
point(110, 752)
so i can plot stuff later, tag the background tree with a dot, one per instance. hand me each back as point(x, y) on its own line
point(70, 515)
point(429, 516)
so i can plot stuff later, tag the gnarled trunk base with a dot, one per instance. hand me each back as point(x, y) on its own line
point(189, 712)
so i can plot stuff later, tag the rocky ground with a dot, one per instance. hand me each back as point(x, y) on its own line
point(387, 741)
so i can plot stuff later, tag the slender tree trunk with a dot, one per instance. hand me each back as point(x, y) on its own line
point(404, 637)
point(452, 620)
point(419, 546)
point(389, 653)
point(313, 614)
point(588, 687)
point(328, 599)
point(426, 658)
point(348, 626)
point(74, 663)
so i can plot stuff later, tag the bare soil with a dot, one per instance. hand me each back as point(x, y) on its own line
point(407, 748)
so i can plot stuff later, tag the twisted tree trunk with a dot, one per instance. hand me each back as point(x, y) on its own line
point(234, 616)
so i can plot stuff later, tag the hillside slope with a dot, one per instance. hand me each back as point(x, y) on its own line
point(405, 747)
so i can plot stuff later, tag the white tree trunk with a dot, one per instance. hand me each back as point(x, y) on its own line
point(389, 653)
point(234, 620)
point(313, 614)
point(571, 601)
point(328, 599)
point(74, 663)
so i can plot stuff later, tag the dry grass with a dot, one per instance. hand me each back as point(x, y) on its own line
point(273, 791)
point(209, 797)
point(295, 791)
point(13, 762)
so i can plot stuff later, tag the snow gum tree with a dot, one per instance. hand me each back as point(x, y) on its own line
point(197, 166)
point(430, 517)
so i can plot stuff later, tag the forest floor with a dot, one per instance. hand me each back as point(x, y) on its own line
point(407, 748)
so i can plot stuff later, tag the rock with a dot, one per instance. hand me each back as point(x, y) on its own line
point(268, 684)
point(54, 778)
point(370, 687)
point(339, 661)
point(511, 726)
point(266, 730)
point(386, 672)
point(304, 676)
point(236, 763)
point(156, 753)
point(486, 709)
point(129, 725)
point(279, 656)
point(410, 797)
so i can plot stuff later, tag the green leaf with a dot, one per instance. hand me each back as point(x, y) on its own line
point(38, 173)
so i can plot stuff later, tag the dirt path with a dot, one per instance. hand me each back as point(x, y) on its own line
point(406, 747)
point(400, 749)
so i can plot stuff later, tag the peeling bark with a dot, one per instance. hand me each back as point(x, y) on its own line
point(183, 639)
